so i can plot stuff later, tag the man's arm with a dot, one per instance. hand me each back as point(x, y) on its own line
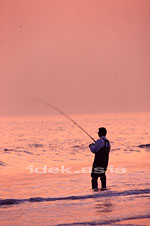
point(97, 146)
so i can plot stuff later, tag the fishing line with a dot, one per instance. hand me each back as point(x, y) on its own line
point(64, 114)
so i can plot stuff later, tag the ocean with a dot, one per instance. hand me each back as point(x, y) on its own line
point(45, 166)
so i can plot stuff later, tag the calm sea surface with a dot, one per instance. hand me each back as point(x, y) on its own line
point(45, 168)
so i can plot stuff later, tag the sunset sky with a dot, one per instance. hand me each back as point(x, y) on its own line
point(85, 56)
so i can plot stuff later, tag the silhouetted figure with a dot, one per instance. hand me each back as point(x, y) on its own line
point(101, 150)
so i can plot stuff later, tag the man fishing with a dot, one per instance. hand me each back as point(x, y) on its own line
point(101, 150)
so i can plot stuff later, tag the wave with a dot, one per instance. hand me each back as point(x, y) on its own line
point(115, 149)
point(108, 222)
point(144, 146)
point(35, 145)
point(131, 150)
point(95, 195)
point(17, 151)
point(2, 163)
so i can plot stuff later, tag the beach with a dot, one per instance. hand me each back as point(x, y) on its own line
point(45, 166)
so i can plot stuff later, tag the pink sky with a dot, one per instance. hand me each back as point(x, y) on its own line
point(85, 56)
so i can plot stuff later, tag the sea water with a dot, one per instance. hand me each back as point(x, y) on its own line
point(45, 165)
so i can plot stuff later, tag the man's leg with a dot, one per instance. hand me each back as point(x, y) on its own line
point(94, 180)
point(103, 180)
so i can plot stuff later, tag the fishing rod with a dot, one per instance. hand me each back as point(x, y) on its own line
point(64, 114)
